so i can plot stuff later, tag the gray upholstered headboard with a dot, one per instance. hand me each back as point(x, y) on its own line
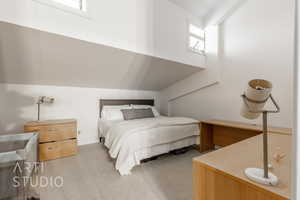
point(115, 102)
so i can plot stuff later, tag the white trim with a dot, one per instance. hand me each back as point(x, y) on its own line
point(296, 138)
point(65, 8)
point(193, 91)
point(202, 53)
point(197, 36)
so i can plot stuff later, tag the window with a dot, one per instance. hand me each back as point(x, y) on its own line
point(76, 4)
point(196, 39)
point(77, 7)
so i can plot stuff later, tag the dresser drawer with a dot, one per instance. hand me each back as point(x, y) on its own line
point(55, 132)
point(54, 150)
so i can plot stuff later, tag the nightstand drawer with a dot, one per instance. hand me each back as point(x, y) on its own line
point(54, 132)
point(54, 150)
point(57, 132)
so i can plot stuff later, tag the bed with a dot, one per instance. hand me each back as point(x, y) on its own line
point(131, 141)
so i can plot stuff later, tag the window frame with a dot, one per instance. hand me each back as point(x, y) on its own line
point(80, 5)
point(189, 34)
point(83, 12)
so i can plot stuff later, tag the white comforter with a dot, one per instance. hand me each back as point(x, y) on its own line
point(126, 137)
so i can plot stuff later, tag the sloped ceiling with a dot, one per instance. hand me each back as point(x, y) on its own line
point(199, 8)
point(29, 56)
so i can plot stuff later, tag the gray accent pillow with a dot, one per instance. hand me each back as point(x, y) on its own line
point(130, 114)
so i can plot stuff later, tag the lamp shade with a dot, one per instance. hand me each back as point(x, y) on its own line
point(257, 94)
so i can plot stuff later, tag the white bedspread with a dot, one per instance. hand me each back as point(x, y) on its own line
point(127, 137)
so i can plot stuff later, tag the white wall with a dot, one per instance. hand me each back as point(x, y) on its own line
point(197, 81)
point(151, 27)
point(17, 106)
point(296, 136)
point(255, 42)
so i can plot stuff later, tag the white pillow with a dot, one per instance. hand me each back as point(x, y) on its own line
point(155, 112)
point(113, 112)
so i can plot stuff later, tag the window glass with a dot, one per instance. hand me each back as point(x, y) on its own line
point(77, 4)
point(196, 44)
point(196, 31)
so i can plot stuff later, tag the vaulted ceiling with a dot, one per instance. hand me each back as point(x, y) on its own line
point(30, 56)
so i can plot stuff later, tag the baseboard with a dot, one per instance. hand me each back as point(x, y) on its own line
point(86, 142)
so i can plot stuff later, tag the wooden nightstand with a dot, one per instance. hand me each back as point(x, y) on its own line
point(57, 138)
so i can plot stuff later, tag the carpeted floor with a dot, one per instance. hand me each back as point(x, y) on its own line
point(91, 176)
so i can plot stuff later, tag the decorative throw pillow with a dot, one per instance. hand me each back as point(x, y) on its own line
point(155, 112)
point(130, 114)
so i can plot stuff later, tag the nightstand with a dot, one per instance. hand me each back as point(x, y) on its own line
point(57, 138)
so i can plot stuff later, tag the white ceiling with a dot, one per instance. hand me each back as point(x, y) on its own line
point(199, 8)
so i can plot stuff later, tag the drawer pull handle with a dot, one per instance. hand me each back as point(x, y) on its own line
point(52, 129)
point(52, 148)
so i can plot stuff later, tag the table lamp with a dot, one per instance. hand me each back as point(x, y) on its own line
point(43, 100)
point(254, 100)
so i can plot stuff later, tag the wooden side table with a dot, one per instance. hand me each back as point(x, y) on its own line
point(219, 175)
point(223, 133)
point(57, 138)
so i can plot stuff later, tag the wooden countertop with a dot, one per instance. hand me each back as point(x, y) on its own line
point(247, 126)
point(234, 159)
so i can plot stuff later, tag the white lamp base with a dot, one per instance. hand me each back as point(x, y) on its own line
point(257, 175)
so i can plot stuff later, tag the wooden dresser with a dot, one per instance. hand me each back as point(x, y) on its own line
point(219, 175)
point(57, 138)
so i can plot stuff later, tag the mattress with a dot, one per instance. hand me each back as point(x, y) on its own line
point(105, 125)
point(160, 149)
